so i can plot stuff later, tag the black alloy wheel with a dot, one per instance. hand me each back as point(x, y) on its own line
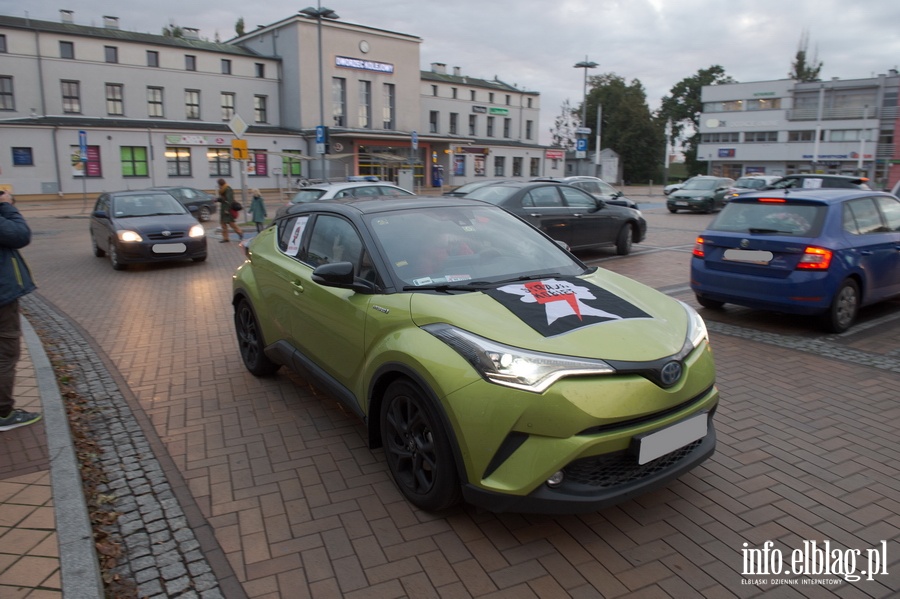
point(623, 240)
point(250, 342)
point(417, 449)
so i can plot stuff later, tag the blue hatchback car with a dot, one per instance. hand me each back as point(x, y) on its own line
point(819, 252)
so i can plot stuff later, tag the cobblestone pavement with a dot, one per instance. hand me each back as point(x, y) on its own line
point(265, 488)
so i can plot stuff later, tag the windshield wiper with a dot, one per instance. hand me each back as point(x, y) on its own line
point(758, 230)
point(444, 287)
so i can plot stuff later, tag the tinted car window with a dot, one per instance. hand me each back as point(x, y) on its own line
point(578, 199)
point(700, 184)
point(542, 197)
point(802, 220)
point(865, 215)
point(891, 210)
point(307, 195)
point(333, 239)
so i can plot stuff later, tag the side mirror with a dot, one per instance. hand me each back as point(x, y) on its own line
point(192, 209)
point(618, 194)
point(99, 214)
point(340, 275)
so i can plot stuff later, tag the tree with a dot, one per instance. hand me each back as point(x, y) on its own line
point(801, 70)
point(239, 27)
point(683, 107)
point(173, 30)
point(563, 129)
point(627, 126)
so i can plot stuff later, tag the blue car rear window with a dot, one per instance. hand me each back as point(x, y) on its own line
point(801, 220)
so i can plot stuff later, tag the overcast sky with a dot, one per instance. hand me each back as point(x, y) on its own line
point(535, 43)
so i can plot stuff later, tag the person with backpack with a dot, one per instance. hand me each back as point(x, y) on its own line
point(227, 211)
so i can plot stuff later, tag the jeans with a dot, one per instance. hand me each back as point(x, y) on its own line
point(10, 347)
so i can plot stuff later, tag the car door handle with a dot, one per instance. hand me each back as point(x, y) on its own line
point(533, 215)
point(298, 286)
point(866, 252)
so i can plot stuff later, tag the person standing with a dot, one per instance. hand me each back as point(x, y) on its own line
point(258, 212)
point(227, 218)
point(15, 281)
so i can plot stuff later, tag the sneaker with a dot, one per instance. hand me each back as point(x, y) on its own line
point(18, 418)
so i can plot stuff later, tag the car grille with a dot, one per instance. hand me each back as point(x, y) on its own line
point(608, 471)
point(172, 235)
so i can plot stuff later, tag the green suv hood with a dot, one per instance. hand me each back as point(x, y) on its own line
point(693, 193)
point(660, 332)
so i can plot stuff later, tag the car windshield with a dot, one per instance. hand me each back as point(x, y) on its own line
point(461, 246)
point(699, 184)
point(495, 194)
point(146, 205)
point(307, 195)
point(750, 183)
point(782, 218)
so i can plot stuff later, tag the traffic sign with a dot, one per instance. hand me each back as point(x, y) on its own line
point(82, 143)
point(415, 140)
point(238, 126)
point(321, 139)
point(239, 149)
point(581, 145)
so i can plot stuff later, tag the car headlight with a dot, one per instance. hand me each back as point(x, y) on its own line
point(513, 366)
point(696, 331)
point(129, 236)
point(197, 231)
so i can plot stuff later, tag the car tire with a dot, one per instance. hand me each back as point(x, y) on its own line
point(205, 213)
point(97, 251)
point(250, 341)
point(417, 448)
point(673, 210)
point(114, 259)
point(709, 303)
point(844, 308)
point(200, 258)
point(623, 241)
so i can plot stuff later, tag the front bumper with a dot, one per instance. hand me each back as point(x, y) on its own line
point(162, 251)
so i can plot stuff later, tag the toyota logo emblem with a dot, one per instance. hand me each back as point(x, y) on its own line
point(670, 373)
point(166, 233)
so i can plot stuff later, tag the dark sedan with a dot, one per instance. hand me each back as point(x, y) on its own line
point(194, 198)
point(145, 226)
point(568, 214)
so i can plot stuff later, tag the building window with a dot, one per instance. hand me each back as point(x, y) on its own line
point(190, 62)
point(508, 100)
point(507, 128)
point(528, 102)
point(152, 58)
point(338, 101)
point(490, 97)
point(227, 102)
point(529, 125)
point(490, 126)
point(67, 50)
point(723, 138)
point(845, 135)
point(801, 136)
point(764, 104)
point(115, 105)
point(290, 166)
point(219, 162)
point(730, 106)
point(89, 167)
point(535, 168)
point(499, 166)
point(365, 104)
point(22, 157)
point(192, 103)
point(260, 70)
point(155, 101)
point(454, 123)
point(3, 49)
point(260, 110)
point(473, 124)
point(388, 106)
point(517, 166)
point(134, 161)
point(453, 92)
point(178, 162)
point(434, 90)
point(111, 53)
point(71, 96)
point(760, 136)
point(433, 118)
point(226, 66)
point(472, 95)
point(7, 100)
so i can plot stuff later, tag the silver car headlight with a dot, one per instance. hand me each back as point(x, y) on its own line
point(129, 236)
point(512, 366)
point(197, 231)
point(696, 331)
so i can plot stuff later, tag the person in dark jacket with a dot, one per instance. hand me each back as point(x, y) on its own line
point(227, 218)
point(15, 281)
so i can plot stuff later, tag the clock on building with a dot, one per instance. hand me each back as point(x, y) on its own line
point(364, 46)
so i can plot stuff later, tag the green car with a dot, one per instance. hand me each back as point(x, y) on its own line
point(490, 364)
point(700, 194)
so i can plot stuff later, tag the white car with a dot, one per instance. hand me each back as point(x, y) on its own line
point(749, 183)
point(673, 187)
point(355, 189)
point(896, 189)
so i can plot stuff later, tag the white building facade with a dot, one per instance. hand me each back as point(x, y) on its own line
point(848, 127)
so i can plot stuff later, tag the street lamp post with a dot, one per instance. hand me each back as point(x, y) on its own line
point(318, 14)
point(585, 64)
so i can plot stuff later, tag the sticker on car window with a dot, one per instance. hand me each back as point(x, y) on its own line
point(294, 242)
point(559, 305)
point(812, 183)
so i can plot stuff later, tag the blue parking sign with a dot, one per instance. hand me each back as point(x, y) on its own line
point(581, 145)
point(82, 145)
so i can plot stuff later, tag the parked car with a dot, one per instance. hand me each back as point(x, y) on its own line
point(750, 183)
point(668, 189)
point(329, 191)
point(822, 252)
point(145, 226)
point(568, 214)
point(895, 190)
point(491, 364)
point(600, 189)
point(462, 190)
point(818, 181)
point(700, 194)
point(204, 203)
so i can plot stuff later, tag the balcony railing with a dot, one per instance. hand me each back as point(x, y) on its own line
point(833, 114)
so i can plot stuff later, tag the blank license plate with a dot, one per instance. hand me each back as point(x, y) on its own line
point(669, 439)
point(753, 256)
point(169, 248)
point(681, 203)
